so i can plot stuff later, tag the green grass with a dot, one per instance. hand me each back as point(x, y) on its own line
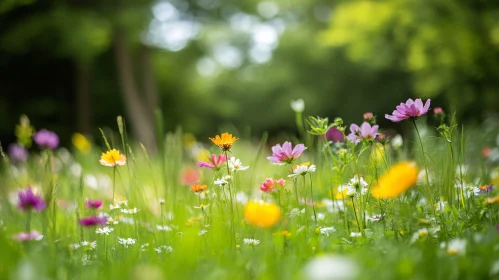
point(386, 249)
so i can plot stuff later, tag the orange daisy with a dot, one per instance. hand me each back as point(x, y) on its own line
point(224, 141)
point(112, 158)
point(198, 188)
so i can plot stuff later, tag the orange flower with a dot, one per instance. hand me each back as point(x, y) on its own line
point(198, 188)
point(396, 181)
point(261, 214)
point(112, 158)
point(224, 141)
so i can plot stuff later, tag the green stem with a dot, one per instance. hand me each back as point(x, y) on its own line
point(312, 198)
point(114, 182)
point(428, 186)
point(355, 212)
point(28, 221)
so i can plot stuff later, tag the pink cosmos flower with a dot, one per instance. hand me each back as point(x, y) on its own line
point(93, 203)
point(271, 185)
point(409, 109)
point(28, 200)
point(286, 153)
point(365, 131)
point(33, 235)
point(216, 162)
point(93, 221)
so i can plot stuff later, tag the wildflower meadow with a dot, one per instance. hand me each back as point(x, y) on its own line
point(336, 201)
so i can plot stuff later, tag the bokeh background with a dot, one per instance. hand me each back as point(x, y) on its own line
point(74, 65)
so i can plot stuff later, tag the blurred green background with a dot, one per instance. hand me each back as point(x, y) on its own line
point(75, 65)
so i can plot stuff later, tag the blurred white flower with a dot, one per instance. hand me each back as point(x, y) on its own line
point(251, 241)
point(327, 230)
point(397, 142)
point(104, 230)
point(330, 267)
point(295, 212)
point(88, 245)
point(355, 234)
point(163, 228)
point(126, 241)
point(456, 247)
point(298, 105)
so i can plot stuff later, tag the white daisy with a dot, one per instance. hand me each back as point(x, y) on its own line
point(220, 182)
point(161, 201)
point(355, 234)
point(111, 221)
point(202, 232)
point(89, 245)
point(295, 212)
point(126, 241)
point(163, 228)
point(74, 246)
point(251, 241)
point(104, 230)
point(358, 182)
point(302, 169)
point(236, 164)
point(456, 247)
point(418, 234)
point(130, 211)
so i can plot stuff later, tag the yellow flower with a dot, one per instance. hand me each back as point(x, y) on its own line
point(492, 200)
point(261, 214)
point(112, 158)
point(198, 188)
point(81, 143)
point(224, 141)
point(396, 181)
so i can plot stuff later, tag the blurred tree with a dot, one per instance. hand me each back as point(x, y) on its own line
point(448, 48)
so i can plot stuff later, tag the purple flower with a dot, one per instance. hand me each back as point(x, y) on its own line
point(28, 200)
point(93, 221)
point(18, 153)
point(365, 131)
point(93, 203)
point(333, 134)
point(33, 235)
point(46, 139)
point(286, 153)
point(409, 109)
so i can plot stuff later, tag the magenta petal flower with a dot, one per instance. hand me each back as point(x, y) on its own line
point(28, 200)
point(365, 131)
point(93, 221)
point(216, 162)
point(409, 109)
point(23, 236)
point(286, 153)
point(333, 134)
point(46, 139)
point(18, 153)
point(93, 203)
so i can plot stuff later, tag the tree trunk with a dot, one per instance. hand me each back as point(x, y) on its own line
point(83, 98)
point(148, 81)
point(136, 104)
